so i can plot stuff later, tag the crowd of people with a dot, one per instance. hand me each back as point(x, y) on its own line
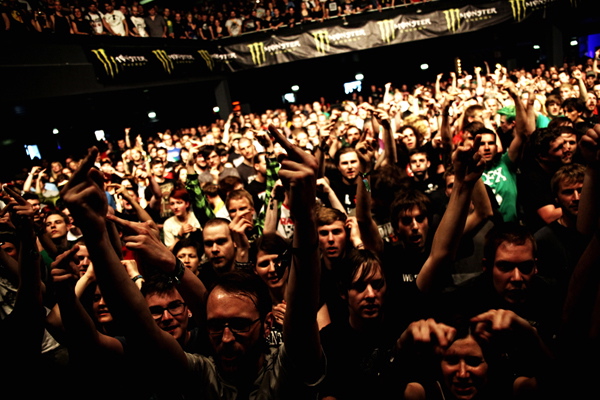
point(433, 242)
point(206, 20)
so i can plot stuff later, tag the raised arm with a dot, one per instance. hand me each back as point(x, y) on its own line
point(525, 122)
point(300, 330)
point(468, 168)
point(85, 197)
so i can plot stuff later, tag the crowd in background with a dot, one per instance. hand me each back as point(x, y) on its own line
point(450, 229)
point(206, 20)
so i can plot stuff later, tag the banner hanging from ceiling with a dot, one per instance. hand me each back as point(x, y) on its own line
point(119, 64)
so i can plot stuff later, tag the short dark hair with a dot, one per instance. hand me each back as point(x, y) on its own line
point(510, 232)
point(248, 284)
point(328, 215)
point(406, 201)
point(570, 174)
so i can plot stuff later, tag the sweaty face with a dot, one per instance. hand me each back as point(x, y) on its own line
point(365, 296)
point(332, 239)
point(56, 226)
point(218, 246)
point(234, 328)
point(413, 226)
point(568, 197)
point(163, 306)
point(266, 265)
point(488, 148)
point(348, 166)
point(464, 369)
point(189, 258)
point(513, 269)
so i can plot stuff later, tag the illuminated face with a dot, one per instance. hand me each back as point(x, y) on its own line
point(189, 257)
point(179, 207)
point(464, 369)
point(413, 226)
point(553, 109)
point(348, 166)
point(266, 268)
point(170, 313)
point(488, 148)
point(591, 101)
point(568, 197)
point(158, 170)
point(514, 266)
point(352, 134)
point(419, 164)
point(569, 147)
point(246, 149)
point(219, 247)
point(83, 256)
point(103, 316)
point(365, 296)
point(332, 239)
point(214, 160)
point(56, 226)
point(409, 139)
point(234, 328)
point(241, 205)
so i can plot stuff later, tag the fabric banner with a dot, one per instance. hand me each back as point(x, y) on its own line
point(130, 64)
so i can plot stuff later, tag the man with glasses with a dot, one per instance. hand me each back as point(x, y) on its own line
point(237, 324)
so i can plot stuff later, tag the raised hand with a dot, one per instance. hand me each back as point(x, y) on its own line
point(468, 164)
point(298, 174)
point(85, 197)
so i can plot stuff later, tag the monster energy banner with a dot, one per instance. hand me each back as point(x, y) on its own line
point(407, 27)
point(143, 63)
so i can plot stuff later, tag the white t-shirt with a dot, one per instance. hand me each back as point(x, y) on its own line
point(140, 25)
point(116, 20)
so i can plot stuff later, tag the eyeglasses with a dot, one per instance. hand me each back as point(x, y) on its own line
point(235, 325)
point(525, 267)
point(175, 308)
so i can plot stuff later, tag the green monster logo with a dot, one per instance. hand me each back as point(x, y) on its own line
point(387, 30)
point(452, 19)
point(257, 51)
point(108, 62)
point(207, 59)
point(321, 41)
point(165, 60)
point(518, 8)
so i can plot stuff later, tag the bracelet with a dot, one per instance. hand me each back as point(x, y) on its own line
point(178, 273)
point(137, 277)
point(360, 246)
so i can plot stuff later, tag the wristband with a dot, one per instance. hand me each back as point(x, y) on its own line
point(364, 175)
point(137, 277)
